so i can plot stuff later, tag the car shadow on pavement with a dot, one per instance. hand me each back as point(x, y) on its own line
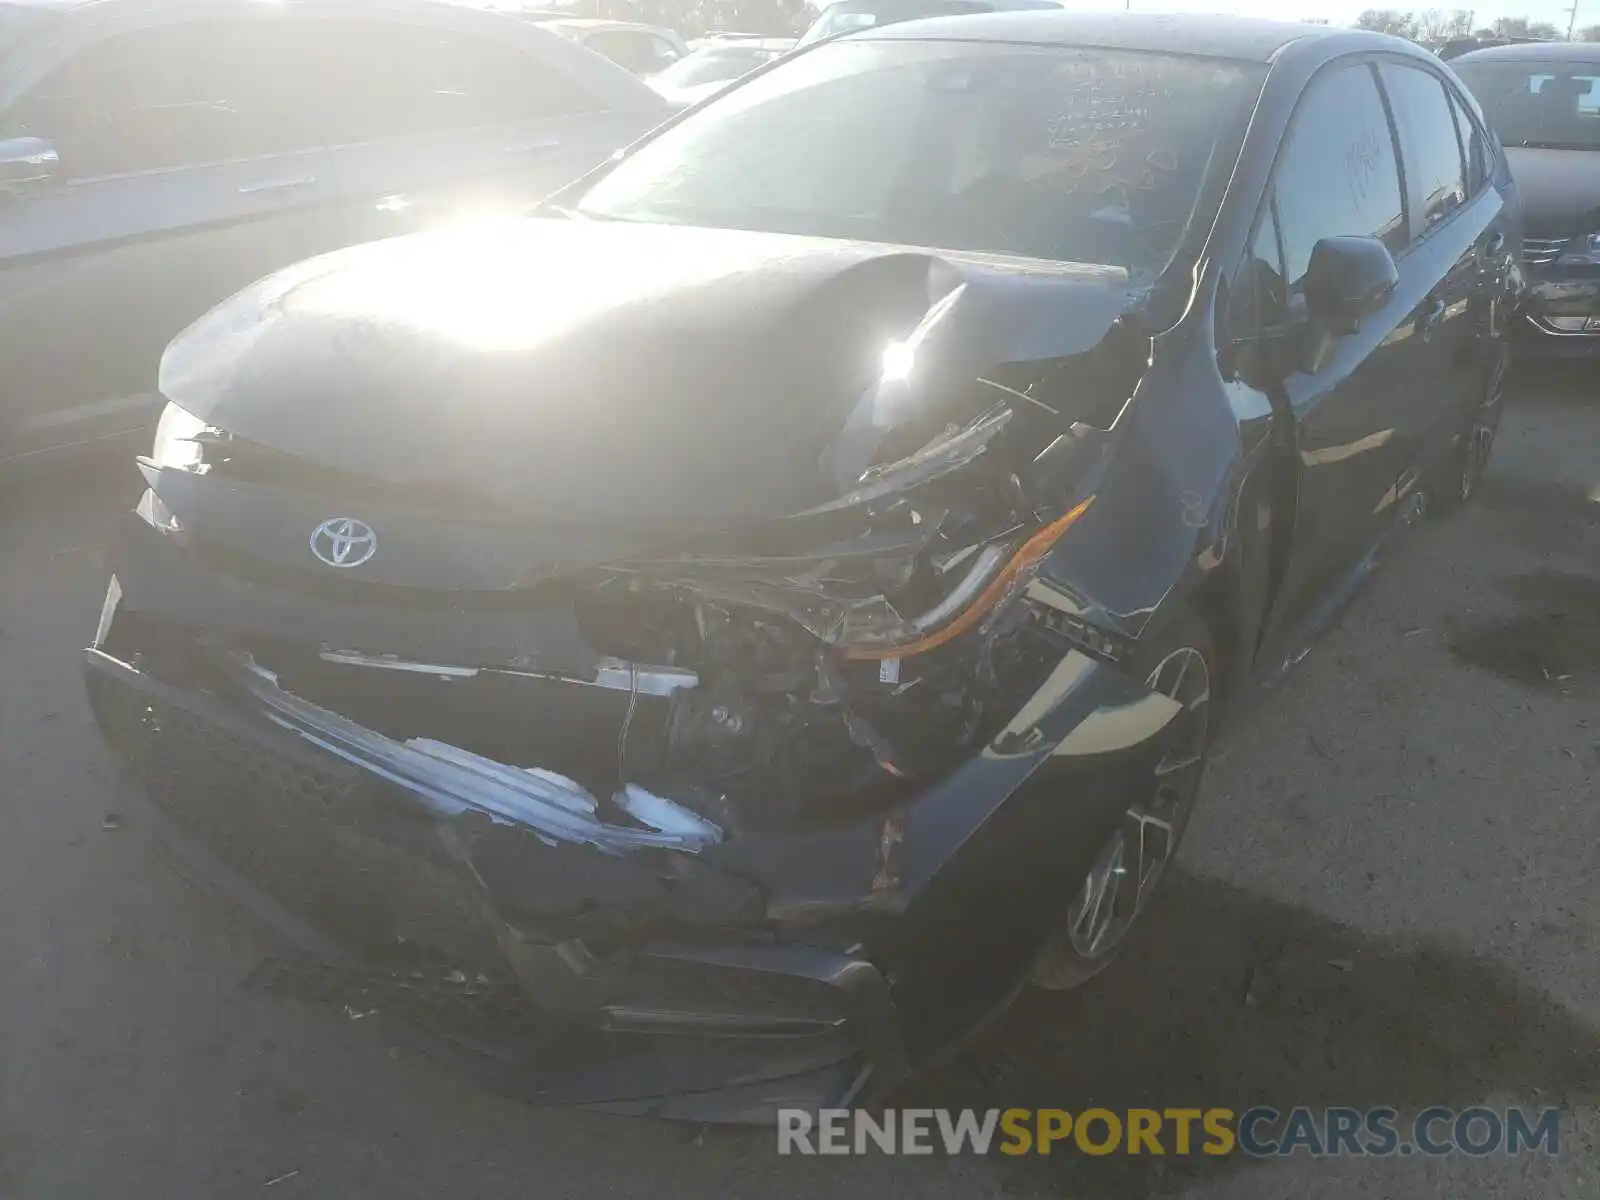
point(1551, 642)
point(1232, 1000)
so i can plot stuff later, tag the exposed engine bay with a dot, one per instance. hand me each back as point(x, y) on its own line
point(765, 692)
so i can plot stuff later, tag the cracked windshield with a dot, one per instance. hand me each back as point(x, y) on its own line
point(1087, 155)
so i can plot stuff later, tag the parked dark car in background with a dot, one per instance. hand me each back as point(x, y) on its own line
point(155, 158)
point(756, 615)
point(1456, 47)
point(1543, 100)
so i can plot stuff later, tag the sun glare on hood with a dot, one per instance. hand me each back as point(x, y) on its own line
point(458, 287)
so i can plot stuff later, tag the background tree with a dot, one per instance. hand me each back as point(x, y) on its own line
point(1589, 34)
point(1510, 27)
point(1388, 20)
point(1433, 25)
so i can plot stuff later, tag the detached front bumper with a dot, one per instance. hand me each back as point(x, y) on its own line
point(354, 870)
point(701, 981)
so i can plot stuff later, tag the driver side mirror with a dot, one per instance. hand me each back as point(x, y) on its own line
point(26, 163)
point(1347, 280)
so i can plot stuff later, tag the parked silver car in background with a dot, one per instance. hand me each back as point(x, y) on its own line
point(157, 156)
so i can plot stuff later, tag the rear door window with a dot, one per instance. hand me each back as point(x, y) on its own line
point(663, 54)
point(363, 81)
point(151, 100)
point(1337, 174)
point(1429, 145)
point(215, 91)
point(639, 50)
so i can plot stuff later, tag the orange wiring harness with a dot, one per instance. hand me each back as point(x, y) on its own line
point(1030, 552)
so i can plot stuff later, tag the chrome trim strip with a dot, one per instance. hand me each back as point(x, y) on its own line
point(451, 781)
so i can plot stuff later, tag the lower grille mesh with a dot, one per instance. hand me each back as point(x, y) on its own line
point(1542, 251)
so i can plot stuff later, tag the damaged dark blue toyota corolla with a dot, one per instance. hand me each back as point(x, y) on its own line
point(763, 610)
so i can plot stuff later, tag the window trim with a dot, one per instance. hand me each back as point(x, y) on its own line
point(1268, 211)
point(1463, 148)
point(1460, 99)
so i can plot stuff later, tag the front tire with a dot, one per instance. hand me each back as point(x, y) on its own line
point(1179, 661)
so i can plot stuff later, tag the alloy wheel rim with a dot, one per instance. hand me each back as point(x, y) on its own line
point(1480, 438)
point(1133, 858)
point(1479, 447)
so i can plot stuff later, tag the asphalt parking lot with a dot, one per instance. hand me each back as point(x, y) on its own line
point(1390, 896)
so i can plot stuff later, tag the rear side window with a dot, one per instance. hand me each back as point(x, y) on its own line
point(369, 80)
point(1429, 146)
point(1474, 149)
point(663, 53)
point(1337, 174)
point(638, 50)
point(213, 91)
point(143, 101)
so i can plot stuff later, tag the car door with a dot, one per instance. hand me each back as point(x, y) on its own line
point(190, 165)
point(1337, 174)
point(1451, 237)
point(164, 198)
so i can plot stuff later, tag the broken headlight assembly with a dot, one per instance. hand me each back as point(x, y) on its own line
point(869, 655)
point(177, 444)
point(942, 545)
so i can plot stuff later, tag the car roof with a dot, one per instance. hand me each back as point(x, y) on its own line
point(1217, 36)
point(1533, 52)
point(741, 45)
point(512, 7)
point(42, 5)
point(590, 24)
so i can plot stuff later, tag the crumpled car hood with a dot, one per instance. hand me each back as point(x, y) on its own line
point(610, 372)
